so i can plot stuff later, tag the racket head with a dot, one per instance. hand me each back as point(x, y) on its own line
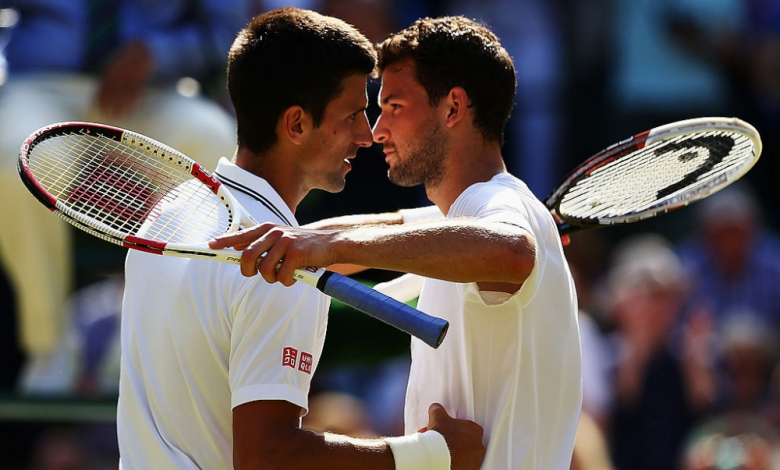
point(656, 171)
point(125, 188)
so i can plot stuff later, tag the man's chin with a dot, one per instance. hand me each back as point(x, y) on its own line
point(401, 181)
point(335, 186)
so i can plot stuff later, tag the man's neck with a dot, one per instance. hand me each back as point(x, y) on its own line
point(275, 170)
point(465, 166)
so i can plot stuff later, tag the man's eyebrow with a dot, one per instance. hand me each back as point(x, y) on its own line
point(389, 97)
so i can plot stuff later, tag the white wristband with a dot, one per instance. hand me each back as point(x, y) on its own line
point(420, 451)
point(420, 214)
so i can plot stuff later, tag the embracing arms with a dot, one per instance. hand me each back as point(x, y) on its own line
point(267, 435)
point(499, 256)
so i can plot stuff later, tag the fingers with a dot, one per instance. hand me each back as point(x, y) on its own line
point(463, 437)
point(276, 251)
point(436, 415)
point(240, 240)
point(261, 251)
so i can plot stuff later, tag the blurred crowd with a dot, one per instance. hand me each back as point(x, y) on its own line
point(680, 315)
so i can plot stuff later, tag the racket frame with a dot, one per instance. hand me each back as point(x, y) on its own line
point(639, 141)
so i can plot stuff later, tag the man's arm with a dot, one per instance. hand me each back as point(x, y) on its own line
point(266, 435)
point(458, 250)
point(345, 222)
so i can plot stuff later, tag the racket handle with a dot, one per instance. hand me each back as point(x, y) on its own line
point(565, 228)
point(429, 329)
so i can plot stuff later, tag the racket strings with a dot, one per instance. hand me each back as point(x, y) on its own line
point(128, 188)
point(658, 173)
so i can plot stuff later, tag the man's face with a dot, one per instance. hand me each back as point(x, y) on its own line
point(414, 142)
point(344, 128)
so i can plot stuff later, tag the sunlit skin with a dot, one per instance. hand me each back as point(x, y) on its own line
point(343, 130)
point(314, 157)
point(414, 144)
point(410, 130)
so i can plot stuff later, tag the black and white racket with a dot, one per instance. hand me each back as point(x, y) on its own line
point(133, 191)
point(655, 172)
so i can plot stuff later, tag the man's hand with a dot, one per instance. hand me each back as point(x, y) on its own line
point(124, 80)
point(464, 438)
point(275, 251)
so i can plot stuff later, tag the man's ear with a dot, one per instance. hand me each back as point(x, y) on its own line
point(457, 106)
point(295, 124)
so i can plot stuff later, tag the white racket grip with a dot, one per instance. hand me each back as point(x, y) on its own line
point(403, 288)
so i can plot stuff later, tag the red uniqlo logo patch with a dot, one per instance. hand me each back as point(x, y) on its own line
point(290, 357)
point(306, 361)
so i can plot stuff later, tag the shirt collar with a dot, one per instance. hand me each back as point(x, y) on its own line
point(240, 181)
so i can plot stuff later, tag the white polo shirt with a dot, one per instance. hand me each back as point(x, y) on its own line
point(512, 365)
point(199, 339)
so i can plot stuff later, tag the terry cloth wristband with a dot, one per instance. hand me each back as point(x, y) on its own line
point(420, 214)
point(420, 451)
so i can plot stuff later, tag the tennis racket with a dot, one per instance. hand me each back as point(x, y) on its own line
point(133, 191)
point(655, 172)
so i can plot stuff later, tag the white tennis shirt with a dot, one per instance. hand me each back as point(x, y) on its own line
point(199, 339)
point(513, 367)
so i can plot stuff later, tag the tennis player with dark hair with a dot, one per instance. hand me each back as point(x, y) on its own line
point(216, 367)
point(489, 251)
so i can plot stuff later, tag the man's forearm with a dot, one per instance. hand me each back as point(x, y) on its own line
point(458, 251)
point(357, 220)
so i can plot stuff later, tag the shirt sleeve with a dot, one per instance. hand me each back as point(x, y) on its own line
point(492, 203)
point(276, 342)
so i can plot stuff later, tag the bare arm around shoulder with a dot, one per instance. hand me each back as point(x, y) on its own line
point(352, 221)
point(267, 436)
point(459, 250)
point(345, 222)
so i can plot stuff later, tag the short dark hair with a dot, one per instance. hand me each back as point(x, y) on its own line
point(288, 57)
point(455, 51)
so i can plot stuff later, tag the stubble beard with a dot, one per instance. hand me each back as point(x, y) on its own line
point(422, 162)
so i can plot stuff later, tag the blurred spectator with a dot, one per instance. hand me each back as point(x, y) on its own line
point(597, 395)
point(374, 18)
point(667, 60)
point(61, 448)
point(748, 357)
point(772, 410)
point(733, 258)
point(136, 64)
point(586, 257)
point(758, 74)
point(86, 359)
point(68, 446)
point(733, 441)
point(659, 390)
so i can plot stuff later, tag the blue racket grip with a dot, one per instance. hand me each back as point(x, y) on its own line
point(429, 329)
